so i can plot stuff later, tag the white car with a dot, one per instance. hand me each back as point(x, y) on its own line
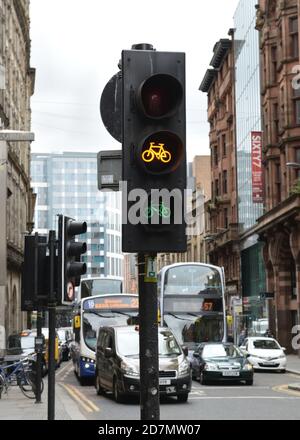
point(264, 353)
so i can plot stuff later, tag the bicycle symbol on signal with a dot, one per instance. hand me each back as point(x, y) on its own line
point(158, 152)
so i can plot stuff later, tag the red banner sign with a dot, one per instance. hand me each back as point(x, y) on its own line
point(257, 172)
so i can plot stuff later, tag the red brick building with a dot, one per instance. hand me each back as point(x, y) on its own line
point(223, 240)
point(279, 227)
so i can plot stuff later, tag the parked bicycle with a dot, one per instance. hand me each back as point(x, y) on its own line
point(22, 374)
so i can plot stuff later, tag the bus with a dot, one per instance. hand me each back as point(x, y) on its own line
point(100, 286)
point(191, 298)
point(89, 315)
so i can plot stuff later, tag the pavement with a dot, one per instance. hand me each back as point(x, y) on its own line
point(15, 406)
point(293, 366)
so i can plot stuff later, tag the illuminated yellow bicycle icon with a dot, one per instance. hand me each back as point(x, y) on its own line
point(158, 152)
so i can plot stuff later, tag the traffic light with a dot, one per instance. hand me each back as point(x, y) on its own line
point(70, 268)
point(153, 150)
point(34, 287)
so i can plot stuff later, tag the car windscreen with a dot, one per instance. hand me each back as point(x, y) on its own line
point(266, 344)
point(220, 350)
point(128, 344)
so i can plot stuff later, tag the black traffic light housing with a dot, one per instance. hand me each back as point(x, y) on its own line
point(70, 268)
point(154, 148)
point(35, 274)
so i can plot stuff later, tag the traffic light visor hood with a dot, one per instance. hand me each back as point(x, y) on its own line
point(159, 96)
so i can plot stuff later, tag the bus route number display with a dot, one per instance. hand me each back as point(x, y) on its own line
point(111, 303)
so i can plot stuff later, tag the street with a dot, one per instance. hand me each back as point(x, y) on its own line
point(268, 399)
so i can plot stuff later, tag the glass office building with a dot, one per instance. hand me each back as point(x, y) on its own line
point(248, 119)
point(67, 184)
point(248, 107)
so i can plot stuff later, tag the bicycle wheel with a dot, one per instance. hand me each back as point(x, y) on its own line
point(27, 384)
point(148, 156)
point(166, 156)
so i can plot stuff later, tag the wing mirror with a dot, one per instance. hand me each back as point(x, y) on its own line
point(185, 350)
point(283, 348)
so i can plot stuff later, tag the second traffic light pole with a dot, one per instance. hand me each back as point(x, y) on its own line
point(149, 366)
point(52, 334)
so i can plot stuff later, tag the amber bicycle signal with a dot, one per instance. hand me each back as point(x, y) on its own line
point(158, 152)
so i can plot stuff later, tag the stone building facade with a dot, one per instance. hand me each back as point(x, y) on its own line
point(223, 239)
point(17, 86)
point(279, 228)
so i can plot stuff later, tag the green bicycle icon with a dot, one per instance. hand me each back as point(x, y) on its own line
point(162, 211)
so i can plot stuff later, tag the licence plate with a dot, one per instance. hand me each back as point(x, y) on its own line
point(230, 373)
point(164, 381)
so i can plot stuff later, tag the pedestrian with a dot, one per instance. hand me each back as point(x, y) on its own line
point(242, 337)
point(268, 334)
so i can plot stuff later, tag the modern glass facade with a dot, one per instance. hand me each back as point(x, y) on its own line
point(67, 184)
point(248, 119)
point(248, 107)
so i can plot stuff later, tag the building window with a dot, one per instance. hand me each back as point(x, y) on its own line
point(297, 111)
point(278, 183)
point(225, 182)
point(224, 149)
point(217, 187)
point(297, 160)
point(216, 158)
point(294, 39)
point(293, 281)
point(226, 218)
point(276, 122)
point(273, 64)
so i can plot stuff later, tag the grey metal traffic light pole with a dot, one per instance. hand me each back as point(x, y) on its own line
point(52, 323)
point(148, 329)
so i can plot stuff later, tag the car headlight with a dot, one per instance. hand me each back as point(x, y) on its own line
point(282, 356)
point(210, 367)
point(254, 356)
point(184, 368)
point(129, 370)
point(247, 367)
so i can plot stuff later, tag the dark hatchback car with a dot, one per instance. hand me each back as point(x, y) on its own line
point(117, 363)
point(221, 362)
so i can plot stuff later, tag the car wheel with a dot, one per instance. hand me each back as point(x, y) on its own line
point(98, 387)
point(117, 395)
point(249, 382)
point(202, 380)
point(182, 398)
point(283, 371)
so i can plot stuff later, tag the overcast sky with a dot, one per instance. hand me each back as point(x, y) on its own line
point(76, 46)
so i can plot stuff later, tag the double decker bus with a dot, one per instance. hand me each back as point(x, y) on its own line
point(90, 314)
point(191, 299)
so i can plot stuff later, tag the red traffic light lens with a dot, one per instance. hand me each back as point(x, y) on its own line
point(160, 95)
point(161, 152)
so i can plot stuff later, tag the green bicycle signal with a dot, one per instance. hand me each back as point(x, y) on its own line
point(162, 211)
